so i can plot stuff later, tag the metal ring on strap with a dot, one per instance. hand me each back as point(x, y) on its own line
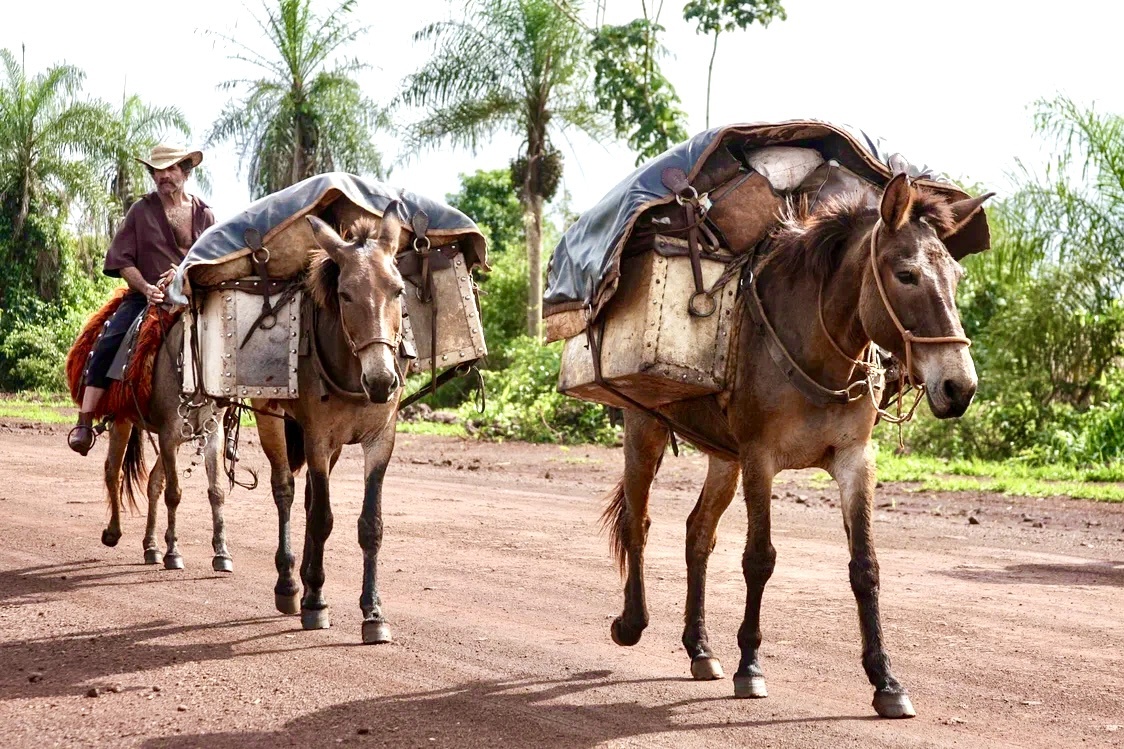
point(263, 257)
point(695, 310)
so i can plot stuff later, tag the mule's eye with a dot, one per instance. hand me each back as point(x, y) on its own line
point(907, 277)
point(345, 297)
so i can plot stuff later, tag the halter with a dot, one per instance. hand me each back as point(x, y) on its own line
point(874, 374)
point(907, 335)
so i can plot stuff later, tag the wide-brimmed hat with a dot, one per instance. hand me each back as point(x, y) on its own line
point(164, 156)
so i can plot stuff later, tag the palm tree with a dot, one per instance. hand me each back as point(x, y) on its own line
point(47, 139)
point(134, 130)
point(306, 114)
point(511, 65)
point(50, 144)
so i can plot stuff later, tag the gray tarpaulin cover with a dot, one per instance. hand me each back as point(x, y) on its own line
point(224, 241)
point(584, 268)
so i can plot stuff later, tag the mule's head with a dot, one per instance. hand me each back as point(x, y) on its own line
point(916, 282)
point(358, 277)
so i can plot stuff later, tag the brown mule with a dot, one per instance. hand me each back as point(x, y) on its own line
point(857, 269)
point(355, 293)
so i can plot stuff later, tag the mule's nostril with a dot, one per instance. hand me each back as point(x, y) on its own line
point(950, 389)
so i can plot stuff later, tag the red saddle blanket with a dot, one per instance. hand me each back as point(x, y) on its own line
point(126, 399)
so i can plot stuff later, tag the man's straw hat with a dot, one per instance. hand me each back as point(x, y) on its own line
point(164, 156)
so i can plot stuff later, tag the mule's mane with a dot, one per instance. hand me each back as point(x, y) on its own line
point(811, 239)
point(323, 273)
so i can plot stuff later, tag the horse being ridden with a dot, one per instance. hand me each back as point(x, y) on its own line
point(856, 269)
point(148, 399)
point(357, 307)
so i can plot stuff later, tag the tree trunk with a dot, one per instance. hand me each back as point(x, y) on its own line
point(298, 151)
point(25, 207)
point(533, 229)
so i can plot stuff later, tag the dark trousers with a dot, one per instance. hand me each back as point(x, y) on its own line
point(97, 371)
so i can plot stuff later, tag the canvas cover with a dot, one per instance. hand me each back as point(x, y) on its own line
point(273, 214)
point(584, 268)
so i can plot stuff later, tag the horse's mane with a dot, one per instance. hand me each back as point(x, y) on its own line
point(810, 238)
point(324, 274)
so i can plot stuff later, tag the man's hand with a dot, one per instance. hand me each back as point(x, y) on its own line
point(166, 278)
point(154, 294)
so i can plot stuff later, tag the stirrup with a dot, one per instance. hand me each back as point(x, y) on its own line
point(82, 448)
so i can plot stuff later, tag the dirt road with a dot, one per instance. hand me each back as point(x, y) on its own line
point(500, 592)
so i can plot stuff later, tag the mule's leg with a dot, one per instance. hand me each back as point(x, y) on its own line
point(318, 526)
point(271, 434)
point(854, 470)
point(172, 495)
point(758, 561)
point(376, 457)
point(222, 561)
point(644, 441)
point(114, 460)
point(702, 525)
point(155, 490)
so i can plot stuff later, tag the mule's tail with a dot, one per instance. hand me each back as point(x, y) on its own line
point(615, 520)
point(136, 473)
point(294, 445)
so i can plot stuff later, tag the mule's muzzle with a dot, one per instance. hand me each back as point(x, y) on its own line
point(951, 398)
point(380, 388)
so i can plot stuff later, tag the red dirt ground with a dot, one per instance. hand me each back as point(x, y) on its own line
point(500, 591)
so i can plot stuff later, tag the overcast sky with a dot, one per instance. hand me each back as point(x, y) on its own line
point(946, 83)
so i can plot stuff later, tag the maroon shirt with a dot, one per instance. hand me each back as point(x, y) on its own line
point(145, 240)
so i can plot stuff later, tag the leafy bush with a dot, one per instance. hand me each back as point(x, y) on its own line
point(524, 402)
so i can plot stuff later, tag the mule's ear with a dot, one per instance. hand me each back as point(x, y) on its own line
point(963, 210)
point(390, 230)
point(326, 238)
point(897, 202)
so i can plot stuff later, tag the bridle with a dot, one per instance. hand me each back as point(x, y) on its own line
point(868, 360)
point(907, 335)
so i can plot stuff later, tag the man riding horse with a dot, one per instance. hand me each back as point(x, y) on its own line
point(155, 236)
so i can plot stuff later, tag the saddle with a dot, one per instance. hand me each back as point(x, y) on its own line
point(129, 396)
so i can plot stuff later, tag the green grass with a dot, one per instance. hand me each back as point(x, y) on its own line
point(934, 474)
point(431, 427)
point(46, 408)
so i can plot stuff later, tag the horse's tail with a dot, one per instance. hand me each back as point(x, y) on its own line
point(136, 473)
point(294, 445)
point(613, 518)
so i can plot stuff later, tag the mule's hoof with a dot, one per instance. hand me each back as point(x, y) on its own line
point(376, 633)
point(706, 668)
point(287, 604)
point(110, 539)
point(623, 635)
point(222, 564)
point(151, 556)
point(750, 687)
point(893, 705)
point(173, 562)
point(315, 619)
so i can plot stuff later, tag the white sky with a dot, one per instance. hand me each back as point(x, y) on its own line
point(947, 82)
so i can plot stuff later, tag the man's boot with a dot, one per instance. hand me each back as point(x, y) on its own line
point(81, 437)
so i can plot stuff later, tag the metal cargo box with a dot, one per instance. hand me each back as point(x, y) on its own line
point(653, 350)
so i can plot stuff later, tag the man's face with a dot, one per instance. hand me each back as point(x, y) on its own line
point(170, 180)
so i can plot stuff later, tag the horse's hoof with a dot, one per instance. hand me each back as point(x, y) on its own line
point(222, 564)
point(623, 635)
point(706, 668)
point(315, 619)
point(151, 556)
point(173, 562)
point(110, 539)
point(893, 705)
point(287, 604)
point(750, 687)
point(376, 633)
